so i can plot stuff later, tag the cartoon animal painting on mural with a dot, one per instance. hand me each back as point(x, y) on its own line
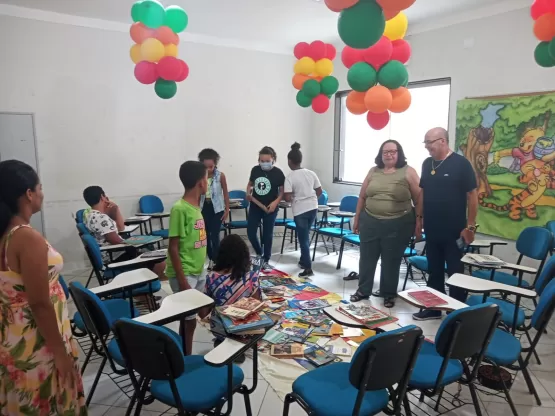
point(510, 143)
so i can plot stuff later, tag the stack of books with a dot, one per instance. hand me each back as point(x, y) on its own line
point(255, 324)
point(366, 315)
point(242, 309)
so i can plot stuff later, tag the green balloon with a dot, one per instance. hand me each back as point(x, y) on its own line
point(303, 100)
point(362, 25)
point(311, 88)
point(152, 14)
point(361, 77)
point(551, 48)
point(542, 56)
point(329, 85)
point(176, 19)
point(393, 75)
point(165, 89)
point(136, 11)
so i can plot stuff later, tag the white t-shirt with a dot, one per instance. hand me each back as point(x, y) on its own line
point(302, 184)
point(99, 225)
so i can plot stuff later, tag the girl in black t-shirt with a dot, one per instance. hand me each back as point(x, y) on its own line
point(264, 192)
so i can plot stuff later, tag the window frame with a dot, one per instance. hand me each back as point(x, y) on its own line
point(339, 125)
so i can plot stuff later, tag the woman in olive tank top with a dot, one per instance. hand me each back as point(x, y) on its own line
point(385, 221)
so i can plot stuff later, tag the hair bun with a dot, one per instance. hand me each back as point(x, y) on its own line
point(295, 146)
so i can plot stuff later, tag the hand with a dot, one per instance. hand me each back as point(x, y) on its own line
point(418, 233)
point(355, 225)
point(226, 214)
point(249, 197)
point(467, 236)
point(272, 207)
point(65, 366)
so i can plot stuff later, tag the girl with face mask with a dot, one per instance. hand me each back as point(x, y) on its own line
point(264, 191)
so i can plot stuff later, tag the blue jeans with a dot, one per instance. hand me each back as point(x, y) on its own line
point(213, 224)
point(253, 221)
point(304, 222)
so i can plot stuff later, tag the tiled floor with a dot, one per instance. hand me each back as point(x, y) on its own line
point(109, 401)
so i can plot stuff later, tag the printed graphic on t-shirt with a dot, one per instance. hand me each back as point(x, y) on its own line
point(99, 225)
point(262, 186)
point(199, 225)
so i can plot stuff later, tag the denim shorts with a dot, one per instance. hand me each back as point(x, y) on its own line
point(196, 282)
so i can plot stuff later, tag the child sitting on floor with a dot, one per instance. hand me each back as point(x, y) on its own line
point(231, 277)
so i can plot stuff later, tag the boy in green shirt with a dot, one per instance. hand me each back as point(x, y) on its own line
point(187, 246)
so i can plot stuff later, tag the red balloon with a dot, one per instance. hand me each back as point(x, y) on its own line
point(184, 71)
point(350, 56)
point(331, 52)
point(379, 53)
point(541, 7)
point(378, 120)
point(317, 50)
point(301, 50)
point(169, 68)
point(401, 51)
point(320, 104)
point(146, 72)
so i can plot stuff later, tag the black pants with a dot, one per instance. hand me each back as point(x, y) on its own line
point(439, 253)
point(213, 224)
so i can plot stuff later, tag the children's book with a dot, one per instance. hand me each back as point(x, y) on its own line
point(319, 356)
point(315, 320)
point(297, 334)
point(254, 321)
point(140, 240)
point(366, 315)
point(313, 304)
point(341, 351)
point(287, 351)
point(427, 298)
point(275, 337)
point(322, 330)
point(242, 308)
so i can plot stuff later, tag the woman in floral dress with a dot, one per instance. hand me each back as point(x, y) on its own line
point(39, 373)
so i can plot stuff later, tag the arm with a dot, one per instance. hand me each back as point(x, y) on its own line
point(249, 190)
point(472, 198)
point(470, 186)
point(113, 238)
point(415, 191)
point(361, 200)
point(173, 252)
point(226, 196)
point(288, 189)
point(318, 191)
point(115, 213)
point(317, 185)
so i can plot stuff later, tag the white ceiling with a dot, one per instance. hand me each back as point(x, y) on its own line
point(272, 22)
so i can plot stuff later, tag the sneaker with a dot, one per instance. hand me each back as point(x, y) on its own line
point(267, 266)
point(306, 273)
point(426, 315)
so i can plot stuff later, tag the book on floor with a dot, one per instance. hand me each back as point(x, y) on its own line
point(366, 315)
point(319, 356)
point(287, 351)
point(315, 320)
point(337, 350)
point(242, 308)
point(297, 334)
point(427, 298)
point(254, 321)
point(313, 304)
point(275, 337)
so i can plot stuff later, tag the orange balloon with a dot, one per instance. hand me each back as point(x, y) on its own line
point(544, 27)
point(401, 100)
point(378, 99)
point(395, 4)
point(165, 35)
point(299, 80)
point(338, 5)
point(139, 32)
point(390, 13)
point(355, 103)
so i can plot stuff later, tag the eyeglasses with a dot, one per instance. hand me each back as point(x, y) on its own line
point(426, 143)
point(389, 152)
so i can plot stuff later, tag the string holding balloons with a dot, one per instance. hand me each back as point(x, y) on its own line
point(313, 77)
point(155, 33)
point(375, 55)
point(543, 13)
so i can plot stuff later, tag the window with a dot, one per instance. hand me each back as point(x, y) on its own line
point(356, 144)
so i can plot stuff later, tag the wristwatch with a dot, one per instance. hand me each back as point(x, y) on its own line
point(472, 228)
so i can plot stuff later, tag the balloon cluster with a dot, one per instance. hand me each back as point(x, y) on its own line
point(313, 76)
point(155, 50)
point(377, 72)
point(543, 12)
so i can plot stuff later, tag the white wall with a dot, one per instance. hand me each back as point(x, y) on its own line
point(96, 124)
point(500, 60)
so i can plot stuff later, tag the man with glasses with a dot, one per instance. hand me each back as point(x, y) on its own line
point(448, 184)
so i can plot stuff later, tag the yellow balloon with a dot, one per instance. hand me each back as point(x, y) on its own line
point(135, 53)
point(396, 28)
point(152, 50)
point(171, 50)
point(324, 67)
point(305, 66)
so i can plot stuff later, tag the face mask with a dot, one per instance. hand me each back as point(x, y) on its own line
point(266, 165)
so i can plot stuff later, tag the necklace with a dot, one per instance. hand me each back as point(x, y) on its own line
point(440, 163)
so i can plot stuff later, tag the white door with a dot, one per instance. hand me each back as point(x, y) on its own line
point(17, 141)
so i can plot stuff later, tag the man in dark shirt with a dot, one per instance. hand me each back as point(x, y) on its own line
point(448, 183)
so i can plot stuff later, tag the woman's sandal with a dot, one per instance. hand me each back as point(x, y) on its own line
point(351, 276)
point(357, 297)
point(389, 302)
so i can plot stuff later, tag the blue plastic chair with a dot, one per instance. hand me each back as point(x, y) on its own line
point(79, 216)
point(505, 349)
point(151, 204)
point(238, 224)
point(463, 336)
point(551, 227)
point(187, 383)
point(534, 243)
point(365, 386)
point(98, 321)
point(348, 204)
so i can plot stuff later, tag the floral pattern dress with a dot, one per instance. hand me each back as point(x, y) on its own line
point(29, 382)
